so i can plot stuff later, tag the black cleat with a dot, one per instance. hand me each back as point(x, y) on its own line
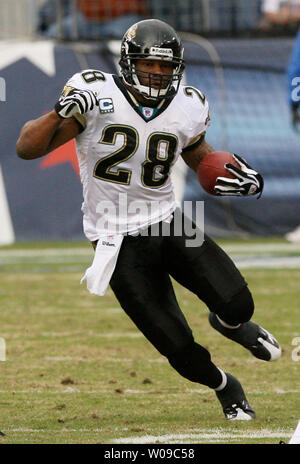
point(2, 434)
point(234, 402)
point(250, 335)
point(239, 411)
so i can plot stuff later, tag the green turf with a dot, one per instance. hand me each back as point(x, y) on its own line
point(78, 371)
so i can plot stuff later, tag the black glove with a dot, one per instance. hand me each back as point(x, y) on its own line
point(247, 181)
point(77, 101)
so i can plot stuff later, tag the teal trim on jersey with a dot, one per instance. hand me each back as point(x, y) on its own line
point(124, 91)
point(194, 145)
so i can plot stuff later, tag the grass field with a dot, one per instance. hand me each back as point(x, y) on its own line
point(78, 371)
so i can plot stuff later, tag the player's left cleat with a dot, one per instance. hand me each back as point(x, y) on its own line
point(250, 335)
point(233, 400)
point(239, 411)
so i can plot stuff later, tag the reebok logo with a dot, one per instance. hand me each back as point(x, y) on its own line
point(167, 52)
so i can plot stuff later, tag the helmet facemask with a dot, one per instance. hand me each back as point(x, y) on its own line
point(152, 85)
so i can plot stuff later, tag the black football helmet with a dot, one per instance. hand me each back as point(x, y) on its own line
point(154, 40)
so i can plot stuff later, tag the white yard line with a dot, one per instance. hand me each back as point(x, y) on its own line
point(242, 262)
point(119, 335)
point(270, 262)
point(86, 251)
point(32, 252)
point(68, 259)
point(246, 256)
point(59, 431)
point(169, 438)
point(97, 335)
point(207, 435)
point(75, 389)
point(202, 436)
point(261, 247)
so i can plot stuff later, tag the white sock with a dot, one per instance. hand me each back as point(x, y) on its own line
point(224, 324)
point(224, 381)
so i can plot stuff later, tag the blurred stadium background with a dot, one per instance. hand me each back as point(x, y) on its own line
point(233, 54)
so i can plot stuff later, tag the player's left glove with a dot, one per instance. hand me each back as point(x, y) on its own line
point(247, 181)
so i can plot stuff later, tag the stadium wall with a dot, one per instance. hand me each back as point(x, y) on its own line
point(244, 81)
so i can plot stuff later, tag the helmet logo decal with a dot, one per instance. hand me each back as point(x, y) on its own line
point(167, 52)
point(131, 33)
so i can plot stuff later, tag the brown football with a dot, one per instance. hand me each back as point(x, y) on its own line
point(213, 166)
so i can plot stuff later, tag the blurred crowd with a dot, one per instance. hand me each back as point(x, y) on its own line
point(278, 14)
point(89, 19)
point(94, 19)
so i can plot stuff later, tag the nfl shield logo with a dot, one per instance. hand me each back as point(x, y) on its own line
point(148, 112)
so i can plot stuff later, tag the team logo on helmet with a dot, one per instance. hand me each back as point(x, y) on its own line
point(131, 33)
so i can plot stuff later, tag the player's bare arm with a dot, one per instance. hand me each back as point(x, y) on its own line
point(44, 134)
point(193, 157)
point(247, 181)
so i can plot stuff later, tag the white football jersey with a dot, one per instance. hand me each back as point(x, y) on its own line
point(126, 153)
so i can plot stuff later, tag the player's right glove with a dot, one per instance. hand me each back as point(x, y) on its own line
point(77, 101)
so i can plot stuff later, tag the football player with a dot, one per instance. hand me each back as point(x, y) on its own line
point(130, 129)
point(293, 73)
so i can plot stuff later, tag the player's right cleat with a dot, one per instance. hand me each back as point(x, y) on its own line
point(250, 335)
point(234, 402)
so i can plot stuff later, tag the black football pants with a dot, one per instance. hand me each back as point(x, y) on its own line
point(141, 282)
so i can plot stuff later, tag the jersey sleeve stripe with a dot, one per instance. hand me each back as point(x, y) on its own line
point(195, 142)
